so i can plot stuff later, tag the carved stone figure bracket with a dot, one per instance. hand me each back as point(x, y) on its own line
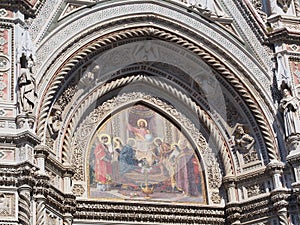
point(245, 144)
point(54, 125)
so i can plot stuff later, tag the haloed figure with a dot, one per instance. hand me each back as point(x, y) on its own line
point(103, 167)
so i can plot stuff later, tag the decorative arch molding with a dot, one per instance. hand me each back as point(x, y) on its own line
point(214, 131)
point(101, 44)
point(82, 135)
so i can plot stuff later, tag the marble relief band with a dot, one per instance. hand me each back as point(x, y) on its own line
point(149, 213)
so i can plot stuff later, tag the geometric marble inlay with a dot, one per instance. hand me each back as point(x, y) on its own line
point(2, 41)
point(3, 12)
point(4, 63)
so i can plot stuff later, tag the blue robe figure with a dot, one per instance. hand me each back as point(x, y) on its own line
point(127, 160)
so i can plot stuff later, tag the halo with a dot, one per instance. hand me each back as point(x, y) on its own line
point(131, 139)
point(142, 120)
point(156, 139)
point(100, 136)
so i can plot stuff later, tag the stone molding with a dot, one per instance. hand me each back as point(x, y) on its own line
point(25, 6)
point(83, 21)
point(149, 213)
point(211, 60)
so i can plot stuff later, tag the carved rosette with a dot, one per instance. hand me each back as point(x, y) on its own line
point(255, 189)
point(82, 134)
point(78, 190)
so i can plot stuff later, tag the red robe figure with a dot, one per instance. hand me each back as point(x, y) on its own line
point(103, 167)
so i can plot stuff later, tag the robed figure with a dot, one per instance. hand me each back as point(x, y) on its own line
point(187, 172)
point(26, 91)
point(103, 167)
point(289, 107)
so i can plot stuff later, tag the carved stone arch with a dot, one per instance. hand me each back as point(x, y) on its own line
point(209, 123)
point(90, 123)
point(81, 55)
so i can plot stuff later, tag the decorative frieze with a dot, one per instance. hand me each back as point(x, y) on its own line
point(255, 189)
point(149, 213)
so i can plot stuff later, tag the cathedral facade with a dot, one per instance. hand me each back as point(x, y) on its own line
point(149, 112)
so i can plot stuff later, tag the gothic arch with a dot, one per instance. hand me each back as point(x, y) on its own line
point(89, 50)
point(157, 84)
point(82, 135)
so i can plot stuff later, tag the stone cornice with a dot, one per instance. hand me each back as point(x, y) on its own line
point(244, 177)
point(26, 7)
point(284, 29)
point(65, 203)
point(257, 208)
point(17, 174)
point(284, 35)
point(149, 213)
point(252, 20)
point(19, 138)
point(64, 170)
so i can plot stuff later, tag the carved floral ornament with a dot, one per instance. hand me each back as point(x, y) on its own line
point(97, 116)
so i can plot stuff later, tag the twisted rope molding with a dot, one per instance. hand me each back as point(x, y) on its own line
point(83, 53)
point(40, 212)
point(297, 7)
point(202, 114)
point(24, 205)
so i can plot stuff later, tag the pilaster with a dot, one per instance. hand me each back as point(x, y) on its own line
point(279, 199)
point(233, 210)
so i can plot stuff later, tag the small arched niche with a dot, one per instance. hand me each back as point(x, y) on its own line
point(138, 153)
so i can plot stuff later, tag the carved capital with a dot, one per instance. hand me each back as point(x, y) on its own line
point(42, 184)
point(41, 151)
point(275, 167)
point(279, 199)
point(229, 181)
point(25, 121)
point(293, 144)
